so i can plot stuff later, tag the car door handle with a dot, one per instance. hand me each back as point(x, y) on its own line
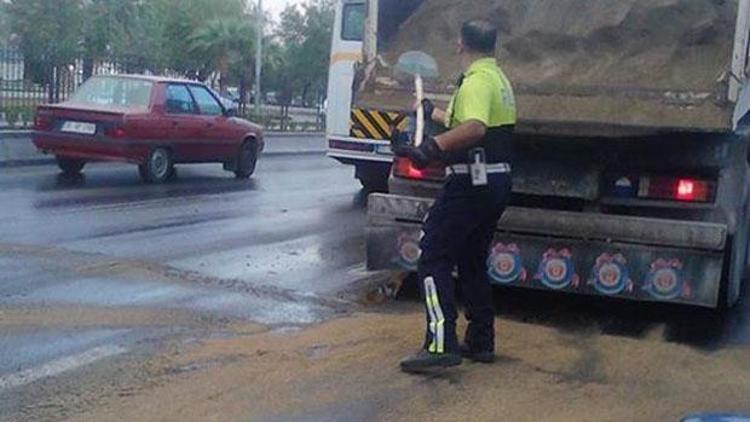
point(174, 123)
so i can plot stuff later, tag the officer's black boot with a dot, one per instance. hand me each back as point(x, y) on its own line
point(424, 360)
point(479, 344)
point(477, 355)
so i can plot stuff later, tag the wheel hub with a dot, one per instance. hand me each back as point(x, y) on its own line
point(159, 163)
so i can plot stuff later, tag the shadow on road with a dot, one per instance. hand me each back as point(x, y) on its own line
point(116, 187)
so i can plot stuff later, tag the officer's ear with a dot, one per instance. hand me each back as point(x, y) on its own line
point(460, 48)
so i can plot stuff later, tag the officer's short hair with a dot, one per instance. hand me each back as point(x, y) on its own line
point(479, 36)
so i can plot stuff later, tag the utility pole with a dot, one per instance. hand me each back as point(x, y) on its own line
point(258, 57)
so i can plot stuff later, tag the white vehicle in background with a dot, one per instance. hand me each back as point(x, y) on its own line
point(356, 137)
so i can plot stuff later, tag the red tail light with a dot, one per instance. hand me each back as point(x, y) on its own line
point(677, 189)
point(42, 122)
point(116, 132)
point(686, 190)
point(403, 167)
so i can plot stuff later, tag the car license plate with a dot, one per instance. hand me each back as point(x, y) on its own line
point(79, 127)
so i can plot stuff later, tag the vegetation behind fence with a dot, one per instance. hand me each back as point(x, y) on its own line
point(59, 44)
point(25, 85)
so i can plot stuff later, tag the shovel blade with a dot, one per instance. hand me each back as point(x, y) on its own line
point(417, 63)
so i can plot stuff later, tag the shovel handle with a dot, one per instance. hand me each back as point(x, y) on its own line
point(419, 87)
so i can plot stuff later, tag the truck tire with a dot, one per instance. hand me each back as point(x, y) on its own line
point(246, 160)
point(373, 177)
point(158, 168)
point(736, 264)
point(70, 166)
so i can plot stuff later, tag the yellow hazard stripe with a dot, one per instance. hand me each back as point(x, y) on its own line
point(380, 119)
point(358, 133)
point(360, 118)
point(373, 124)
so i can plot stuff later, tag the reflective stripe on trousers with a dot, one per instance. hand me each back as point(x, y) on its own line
point(437, 319)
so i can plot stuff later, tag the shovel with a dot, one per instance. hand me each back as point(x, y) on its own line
point(420, 65)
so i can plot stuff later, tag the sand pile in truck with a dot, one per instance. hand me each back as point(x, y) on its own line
point(649, 50)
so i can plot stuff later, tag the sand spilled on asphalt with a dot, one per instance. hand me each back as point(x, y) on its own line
point(347, 369)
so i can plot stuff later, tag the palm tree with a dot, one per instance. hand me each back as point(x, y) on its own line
point(224, 44)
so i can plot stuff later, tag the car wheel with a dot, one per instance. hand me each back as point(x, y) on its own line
point(70, 166)
point(246, 161)
point(158, 168)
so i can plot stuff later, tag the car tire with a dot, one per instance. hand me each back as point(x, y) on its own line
point(70, 166)
point(246, 160)
point(158, 168)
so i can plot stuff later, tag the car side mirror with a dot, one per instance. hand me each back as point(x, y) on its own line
point(231, 112)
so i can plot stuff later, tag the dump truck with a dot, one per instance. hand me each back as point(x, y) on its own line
point(630, 177)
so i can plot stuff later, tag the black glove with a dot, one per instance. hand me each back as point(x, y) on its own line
point(427, 152)
point(429, 109)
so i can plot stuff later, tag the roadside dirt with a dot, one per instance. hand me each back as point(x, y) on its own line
point(347, 369)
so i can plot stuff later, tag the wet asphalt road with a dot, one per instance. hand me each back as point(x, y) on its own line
point(102, 268)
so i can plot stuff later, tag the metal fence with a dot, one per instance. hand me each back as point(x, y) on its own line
point(24, 84)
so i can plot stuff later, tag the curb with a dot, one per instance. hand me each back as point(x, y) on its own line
point(13, 133)
point(267, 135)
point(284, 153)
point(20, 133)
point(27, 163)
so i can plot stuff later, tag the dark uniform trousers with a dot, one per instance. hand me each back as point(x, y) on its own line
point(458, 232)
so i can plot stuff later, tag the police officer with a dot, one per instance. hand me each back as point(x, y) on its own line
point(477, 150)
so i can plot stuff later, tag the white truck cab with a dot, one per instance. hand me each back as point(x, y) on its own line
point(356, 137)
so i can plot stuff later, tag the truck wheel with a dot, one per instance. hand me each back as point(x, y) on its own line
point(247, 160)
point(158, 168)
point(737, 263)
point(70, 166)
point(374, 178)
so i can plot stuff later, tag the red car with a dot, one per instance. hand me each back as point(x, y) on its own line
point(149, 121)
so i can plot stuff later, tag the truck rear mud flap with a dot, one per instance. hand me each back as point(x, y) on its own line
point(632, 258)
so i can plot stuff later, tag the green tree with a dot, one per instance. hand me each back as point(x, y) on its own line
point(49, 34)
point(184, 18)
point(107, 30)
point(194, 38)
point(4, 24)
point(305, 36)
point(225, 44)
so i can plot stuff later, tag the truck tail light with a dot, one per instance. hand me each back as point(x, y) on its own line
point(403, 167)
point(677, 189)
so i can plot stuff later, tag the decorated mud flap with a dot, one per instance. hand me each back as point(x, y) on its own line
point(614, 269)
point(666, 280)
point(557, 270)
point(611, 275)
point(505, 264)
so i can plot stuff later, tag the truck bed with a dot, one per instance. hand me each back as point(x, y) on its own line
point(583, 67)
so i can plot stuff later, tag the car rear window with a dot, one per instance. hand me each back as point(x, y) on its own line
point(114, 92)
